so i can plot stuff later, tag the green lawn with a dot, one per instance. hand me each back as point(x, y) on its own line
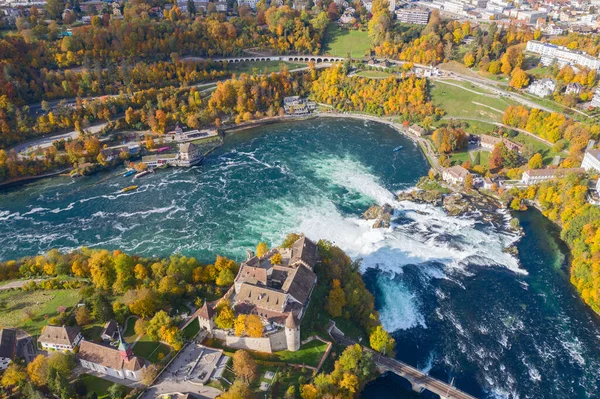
point(98, 385)
point(262, 66)
point(92, 332)
point(129, 334)
point(150, 350)
point(192, 329)
point(464, 103)
point(310, 354)
point(458, 158)
point(340, 42)
point(30, 310)
point(374, 74)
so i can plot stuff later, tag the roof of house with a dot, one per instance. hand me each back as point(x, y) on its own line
point(299, 283)
point(186, 147)
point(305, 250)
point(457, 171)
point(8, 343)
point(594, 153)
point(263, 297)
point(490, 139)
point(108, 357)
point(291, 321)
point(110, 328)
point(553, 172)
point(206, 312)
point(59, 335)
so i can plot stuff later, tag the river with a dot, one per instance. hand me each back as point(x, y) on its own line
point(458, 305)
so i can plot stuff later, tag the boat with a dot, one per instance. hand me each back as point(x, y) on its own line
point(129, 173)
point(141, 174)
point(398, 148)
point(130, 188)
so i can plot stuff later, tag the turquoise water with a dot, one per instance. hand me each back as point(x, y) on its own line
point(458, 305)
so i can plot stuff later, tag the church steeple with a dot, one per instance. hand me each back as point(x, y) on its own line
point(124, 348)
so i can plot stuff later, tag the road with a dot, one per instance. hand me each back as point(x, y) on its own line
point(45, 142)
point(18, 284)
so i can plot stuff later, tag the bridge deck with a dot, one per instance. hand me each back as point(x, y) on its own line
point(416, 377)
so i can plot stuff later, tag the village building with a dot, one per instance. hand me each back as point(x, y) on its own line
point(374, 63)
point(277, 291)
point(416, 17)
point(189, 155)
point(542, 87)
point(118, 363)
point(8, 347)
point(573, 88)
point(591, 160)
point(60, 338)
point(417, 130)
point(110, 332)
point(295, 105)
point(455, 174)
point(596, 99)
point(536, 176)
point(489, 142)
point(562, 55)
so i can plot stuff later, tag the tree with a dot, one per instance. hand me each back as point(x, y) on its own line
point(160, 320)
point(103, 311)
point(63, 363)
point(536, 161)
point(239, 327)
point(469, 181)
point(55, 8)
point(140, 327)
point(336, 299)
point(38, 370)
point(82, 316)
point(254, 326)
point(495, 161)
point(117, 391)
point(225, 318)
point(519, 78)
point(276, 259)
point(469, 59)
point(225, 278)
point(261, 249)
point(191, 7)
point(238, 390)
point(244, 366)
point(381, 341)
point(13, 376)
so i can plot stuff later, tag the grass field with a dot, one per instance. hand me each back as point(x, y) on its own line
point(340, 42)
point(129, 334)
point(150, 350)
point(30, 310)
point(457, 158)
point(262, 66)
point(467, 102)
point(309, 354)
point(192, 329)
point(98, 385)
point(374, 74)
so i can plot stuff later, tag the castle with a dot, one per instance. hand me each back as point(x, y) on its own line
point(277, 287)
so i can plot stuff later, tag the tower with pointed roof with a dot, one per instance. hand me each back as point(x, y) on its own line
point(205, 317)
point(124, 348)
point(292, 333)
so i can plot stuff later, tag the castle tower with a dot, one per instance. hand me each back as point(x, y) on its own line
point(292, 333)
point(205, 317)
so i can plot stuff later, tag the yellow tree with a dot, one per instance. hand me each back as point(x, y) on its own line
point(469, 59)
point(261, 249)
point(536, 161)
point(38, 370)
point(239, 326)
point(519, 78)
point(254, 326)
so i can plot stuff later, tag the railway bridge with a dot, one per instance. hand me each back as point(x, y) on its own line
point(419, 381)
point(288, 58)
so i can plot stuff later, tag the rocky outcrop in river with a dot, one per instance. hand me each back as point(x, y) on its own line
point(381, 214)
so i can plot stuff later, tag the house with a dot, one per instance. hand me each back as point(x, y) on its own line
point(60, 338)
point(596, 99)
point(536, 176)
point(542, 87)
point(294, 105)
point(591, 160)
point(8, 347)
point(110, 331)
point(489, 142)
point(221, 6)
point(487, 183)
point(416, 17)
point(189, 155)
point(574, 88)
point(277, 287)
point(417, 130)
point(562, 55)
point(118, 363)
point(455, 174)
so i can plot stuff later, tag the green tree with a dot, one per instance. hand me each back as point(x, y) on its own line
point(117, 391)
point(103, 311)
point(55, 8)
point(336, 300)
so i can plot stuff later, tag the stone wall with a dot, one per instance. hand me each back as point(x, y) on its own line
point(278, 341)
point(273, 343)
